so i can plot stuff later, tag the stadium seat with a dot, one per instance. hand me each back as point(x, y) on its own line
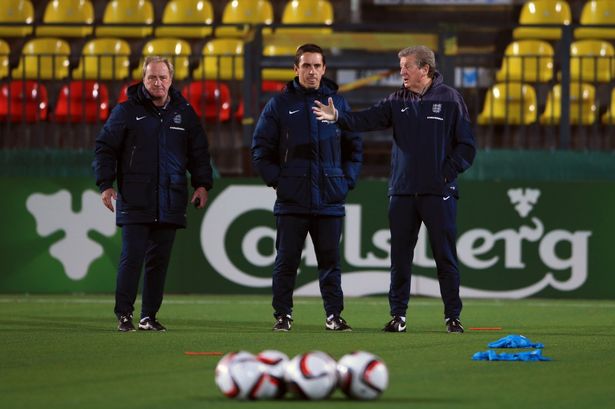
point(592, 61)
point(244, 12)
point(82, 101)
point(609, 116)
point(582, 105)
point(308, 11)
point(511, 103)
point(67, 11)
point(599, 12)
point(127, 11)
point(5, 53)
point(225, 53)
point(16, 11)
point(542, 12)
point(43, 59)
point(187, 12)
point(266, 86)
point(123, 95)
point(178, 51)
point(104, 59)
point(211, 99)
point(301, 12)
point(279, 74)
point(527, 61)
point(23, 101)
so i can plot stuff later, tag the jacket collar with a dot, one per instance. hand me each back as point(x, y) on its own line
point(139, 94)
point(327, 87)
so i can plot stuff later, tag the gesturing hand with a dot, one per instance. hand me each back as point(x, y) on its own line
point(325, 112)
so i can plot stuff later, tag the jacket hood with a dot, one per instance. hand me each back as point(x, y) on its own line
point(327, 87)
point(138, 93)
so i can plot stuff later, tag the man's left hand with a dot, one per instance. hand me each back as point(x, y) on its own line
point(199, 197)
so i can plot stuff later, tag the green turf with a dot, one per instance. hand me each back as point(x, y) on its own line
point(64, 352)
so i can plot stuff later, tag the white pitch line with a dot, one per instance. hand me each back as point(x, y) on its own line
point(417, 303)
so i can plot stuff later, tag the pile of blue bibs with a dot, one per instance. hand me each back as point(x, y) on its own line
point(512, 341)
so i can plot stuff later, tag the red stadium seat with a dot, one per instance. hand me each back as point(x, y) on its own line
point(266, 86)
point(82, 101)
point(123, 96)
point(23, 101)
point(211, 98)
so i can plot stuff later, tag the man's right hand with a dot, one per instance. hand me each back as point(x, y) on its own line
point(325, 112)
point(106, 197)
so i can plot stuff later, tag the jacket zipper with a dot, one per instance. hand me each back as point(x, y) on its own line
point(286, 152)
point(132, 154)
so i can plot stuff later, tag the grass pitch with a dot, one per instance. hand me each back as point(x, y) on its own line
point(64, 352)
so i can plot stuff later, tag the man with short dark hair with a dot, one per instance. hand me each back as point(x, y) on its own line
point(432, 143)
point(312, 165)
point(146, 146)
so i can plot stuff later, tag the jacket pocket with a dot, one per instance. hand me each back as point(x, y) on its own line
point(335, 186)
point(136, 191)
point(293, 186)
point(178, 193)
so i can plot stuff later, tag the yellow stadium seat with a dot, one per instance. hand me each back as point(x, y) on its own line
point(44, 59)
point(188, 12)
point(104, 59)
point(225, 53)
point(542, 12)
point(127, 11)
point(67, 11)
point(582, 105)
point(599, 12)
point(17, 11)
point(178, 51)
point(527, 61)
point(511, 103)
point(609, 116)
point(302, 12)
point(244, 12)
point(308, 11)
point(278, 74)
point(5, 52)
point(592, 61)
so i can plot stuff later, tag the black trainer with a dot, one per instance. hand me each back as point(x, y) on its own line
point(453, 325)
point(149, 324)
point(283, 323)
point(125, 323)
point(337, 323)
point(397, 324)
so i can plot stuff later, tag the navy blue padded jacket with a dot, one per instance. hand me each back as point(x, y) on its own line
point(312, 164)
point(432, 138)
point(147, 151)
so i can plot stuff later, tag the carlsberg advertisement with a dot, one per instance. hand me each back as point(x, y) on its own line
point(515, 240)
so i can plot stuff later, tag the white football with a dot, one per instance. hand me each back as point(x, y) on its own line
point(239, 375)
point(362, 375)
point(275, 365)
point(312, 375)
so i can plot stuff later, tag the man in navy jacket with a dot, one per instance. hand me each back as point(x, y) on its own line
point(146, 146)
point(312, 165)
point(432, 143)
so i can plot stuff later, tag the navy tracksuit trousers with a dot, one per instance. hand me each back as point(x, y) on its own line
point(148, 244)
point(292, 231)
point(439, 215)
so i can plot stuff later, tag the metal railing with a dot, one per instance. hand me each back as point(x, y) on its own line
point(230, 113)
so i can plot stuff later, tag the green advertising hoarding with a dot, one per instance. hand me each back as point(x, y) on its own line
point(515, 240)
